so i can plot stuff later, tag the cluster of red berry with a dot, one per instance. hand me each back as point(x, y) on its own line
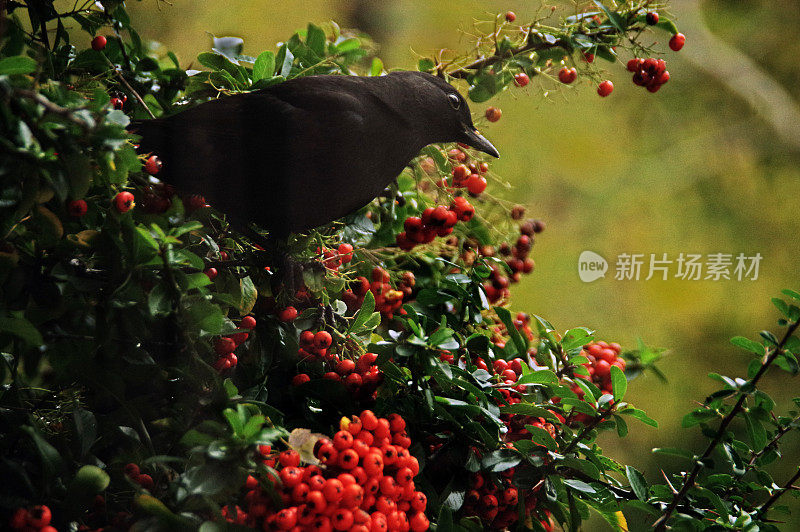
point(496, 503)
point(334, 258)
point(649, 73)
point(367, 483)
point(314, 345)
point(118, 100)
point(435, 221)
point(602, 356)
point(387, 299)
point(225, 346)
point(34, 519)
point(133, 472)
point(361, 377)
point(470, 176)
point(517, 260)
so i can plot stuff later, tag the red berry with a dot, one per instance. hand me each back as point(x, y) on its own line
point(419, 522)
point(211, 272)
point(300, 379)
point(153, 165)
point(369, 421)
point(39, 516)
point(145, 481)
point(634, 65)
point(333, 489)
point(123, 201)
point(397, 423)
point(248, 322)
point(196, 202)
point(677, 41)
point(511, 16)
point(291, 476)
point(567, 75)
point(348, 459)
point(286, 518)
point(99, 42)
point(77, 208)
point(605, 88)
point(521, 79)
point(224, 345)
point(342, 519)
point(288, 458)
point(131, 470)
point(323, 340)
point(651, 18)
point(345, 252)
point(588, 57)
point(476, 184)
point(288, 314)
point(493, 114)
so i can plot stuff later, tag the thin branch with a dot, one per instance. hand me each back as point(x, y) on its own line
point(588, 428)
point(661, 524)
point(128, 85)
point(778, 492)
point(531, 45)
point(53, 108)
point(773, 442)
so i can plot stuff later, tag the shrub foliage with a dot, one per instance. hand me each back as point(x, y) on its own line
point(156, 374)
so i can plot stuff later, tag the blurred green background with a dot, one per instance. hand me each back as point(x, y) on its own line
point(707, 165)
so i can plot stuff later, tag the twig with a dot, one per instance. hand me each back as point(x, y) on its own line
point(777, 493)
point(128, 86)
point(588, 428)
point(778, 435)
point(530, 46)
point(53, 108)
point(661, 524)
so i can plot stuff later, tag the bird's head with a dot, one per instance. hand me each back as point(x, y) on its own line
point(445, 112)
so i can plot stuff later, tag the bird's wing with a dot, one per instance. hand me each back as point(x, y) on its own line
point(229, 150)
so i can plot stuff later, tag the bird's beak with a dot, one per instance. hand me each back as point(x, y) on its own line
point(479, 142)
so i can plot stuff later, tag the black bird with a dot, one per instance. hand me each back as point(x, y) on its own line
point(305, 152)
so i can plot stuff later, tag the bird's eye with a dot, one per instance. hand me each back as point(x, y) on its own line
point(455, 101)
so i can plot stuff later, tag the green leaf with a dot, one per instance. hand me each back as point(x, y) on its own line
point(486, 85)
point(615, 18)
point(528, 409)
point(544, 376)
point(542, 437)
point(264, 67)
point(637, 482)
point(235, 420)
point(749, 345)
point(579, 485)
point(52, 462)
point(205, 317)
point(755, 431)
point(249, 296)
point(619, 384)
point(519, 342)
point(641, 416)
point(376, 68)
point(19, 64)
point(22, 329)
point(500, 460)
point(674, 451)
point(315, 40)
